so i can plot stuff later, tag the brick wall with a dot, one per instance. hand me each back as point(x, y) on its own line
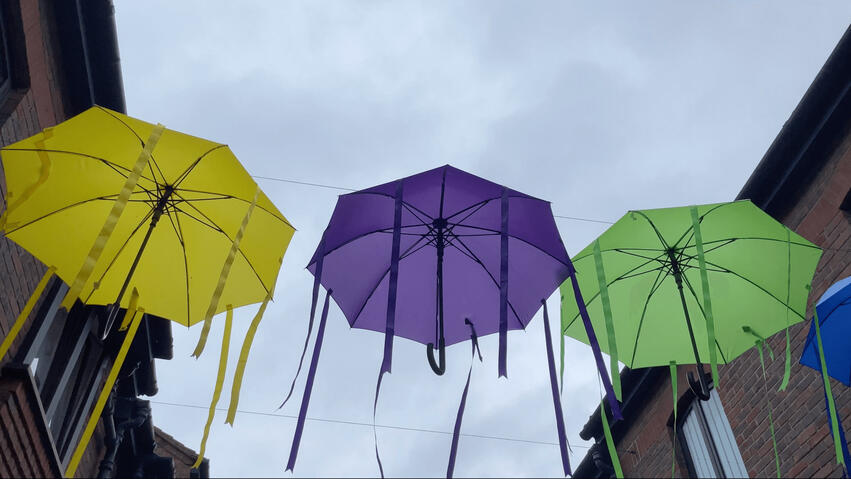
point(40, 107)
point(803, 437)
point(168, 446)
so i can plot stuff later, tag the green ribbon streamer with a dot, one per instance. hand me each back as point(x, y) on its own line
point(834, 423)
point(759, 344)
point(673, 366)
point(707, 301)
point(787, 372)
point(607, 314)
point(610, 443)
point(759, 339)
point(561, 362)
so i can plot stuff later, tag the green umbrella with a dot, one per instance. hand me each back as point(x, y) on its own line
point(647, 282)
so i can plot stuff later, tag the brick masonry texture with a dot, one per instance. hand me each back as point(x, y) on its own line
point(803, 438)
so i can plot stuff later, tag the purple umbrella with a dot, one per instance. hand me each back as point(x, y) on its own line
point(450, 255)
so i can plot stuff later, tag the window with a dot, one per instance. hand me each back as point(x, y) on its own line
point(14, 71)
point(65, 356)
point(708, 442)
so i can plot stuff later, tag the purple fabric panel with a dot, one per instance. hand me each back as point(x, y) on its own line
point(469, 291)
point(308, 387)
point(562, 436)
point(315, 296)
point(595, 348)
point(389, 328)
point(456, 432)
point(503, 287)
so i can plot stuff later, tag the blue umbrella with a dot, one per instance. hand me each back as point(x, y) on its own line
point(827, 350)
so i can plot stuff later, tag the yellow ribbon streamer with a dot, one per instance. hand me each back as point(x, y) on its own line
point(131, 310)
point(217, 392)
point(43, 175)
point(223, 277)
point(25, 313)
point(112, 220)
point(104, 395)
point(243, 357)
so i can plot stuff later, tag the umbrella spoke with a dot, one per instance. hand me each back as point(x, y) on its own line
point(141, 141)
point(657, 283)
point(192, 166)
point(703, 314)
point(408, 252)
point(106, 162)
point(120, 250)
point(690, 229)
point(475, 208)
point(493, 279)
point(658, 234)
point(222, 231)
point(729, 271)
point(482, 228)
point(225, 196)
point(179, 231)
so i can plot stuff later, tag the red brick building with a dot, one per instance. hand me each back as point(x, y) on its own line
point(58, 58)
point(803, 181)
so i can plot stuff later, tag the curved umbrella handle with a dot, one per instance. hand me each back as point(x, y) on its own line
point(440, 368)
point(699, 387)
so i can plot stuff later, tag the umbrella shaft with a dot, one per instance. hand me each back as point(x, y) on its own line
point(155, 217)
point(440, 248)
point(679, 280)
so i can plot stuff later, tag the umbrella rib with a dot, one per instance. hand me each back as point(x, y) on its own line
point(658, 234)
point(120, 250)
point(597, 294)
point(404, 203)
point(729, 271)
point(82, 155)
point(414, 213)
point(179, 231)
point(141, 141)
point(191, 167)
point(756, 238)
point(620, 250)
point(216, 227)
point(493, 279)
point(47, 215)
point(372, 291)
point(703, 315)
point(224, 196)
point(690, 229)
point(656, 285)
point(475, 209)
point(518, 239)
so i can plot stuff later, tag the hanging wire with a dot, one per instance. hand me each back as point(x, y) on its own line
point(356, 423)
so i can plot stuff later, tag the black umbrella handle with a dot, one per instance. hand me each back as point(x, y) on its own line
point(699, 387)
point(438, 368)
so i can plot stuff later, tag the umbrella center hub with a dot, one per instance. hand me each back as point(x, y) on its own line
point(440, 223)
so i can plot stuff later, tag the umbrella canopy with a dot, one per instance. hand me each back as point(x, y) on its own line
point(834, 314)
point(437, 258)
point(196, 188)
point(114, 204)
point(759, 272)
point(826, 350)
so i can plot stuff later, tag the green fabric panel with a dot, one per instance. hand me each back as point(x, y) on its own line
point(613, 453)
point(834, 423)
point(610, 327)
point(787, 371)
point(759, 344)
point(673, 367)
point(752, 262)
point(707, 298)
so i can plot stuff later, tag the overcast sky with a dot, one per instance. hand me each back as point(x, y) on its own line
point(598, 107)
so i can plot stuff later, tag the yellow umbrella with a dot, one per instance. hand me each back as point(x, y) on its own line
point(114, 204)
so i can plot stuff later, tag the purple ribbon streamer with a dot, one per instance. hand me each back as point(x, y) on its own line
point(311, 374)
point(317, 278)
point(456, 433)
point(503, 288)
point(389, 329)
point(595, 347)
point(562, 437)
